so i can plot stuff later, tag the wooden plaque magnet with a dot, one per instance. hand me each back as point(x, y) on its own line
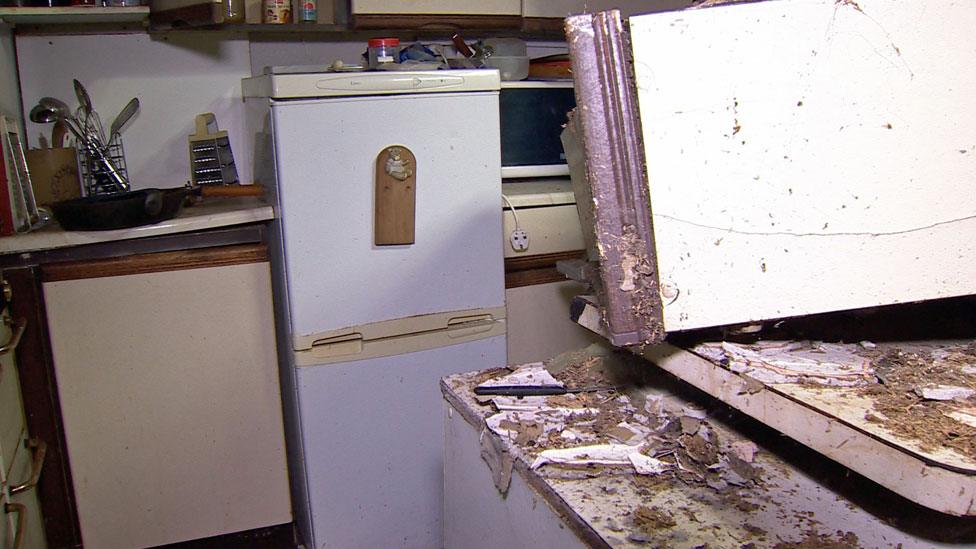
point(396, 196)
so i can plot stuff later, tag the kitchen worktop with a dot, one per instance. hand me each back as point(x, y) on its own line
point(209, 214)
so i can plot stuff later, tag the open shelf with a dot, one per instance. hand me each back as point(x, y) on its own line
point(73, 15)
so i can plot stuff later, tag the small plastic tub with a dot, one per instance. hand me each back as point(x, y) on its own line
point(383, 51)
point(509, 68)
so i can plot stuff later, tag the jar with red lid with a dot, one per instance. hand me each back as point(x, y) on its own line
point(382, 51)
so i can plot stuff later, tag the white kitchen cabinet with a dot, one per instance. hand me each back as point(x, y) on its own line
point(167, 374)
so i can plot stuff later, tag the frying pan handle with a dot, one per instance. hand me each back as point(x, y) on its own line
point(231, 190)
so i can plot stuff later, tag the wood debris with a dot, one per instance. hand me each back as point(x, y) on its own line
point(814, 540)
point(905, 376)
point(919, 391)
point(606, 430)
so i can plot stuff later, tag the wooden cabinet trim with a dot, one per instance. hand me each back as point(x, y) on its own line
point(43, 410)
point(155, 262)
point(536, 269)
point(437, 22)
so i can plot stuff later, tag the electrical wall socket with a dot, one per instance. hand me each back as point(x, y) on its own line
point(520, 240)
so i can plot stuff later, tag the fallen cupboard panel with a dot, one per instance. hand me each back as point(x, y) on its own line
point(832, 421)
point(819, 157)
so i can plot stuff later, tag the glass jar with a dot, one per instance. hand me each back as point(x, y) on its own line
point(382, 51)
point(233, 11)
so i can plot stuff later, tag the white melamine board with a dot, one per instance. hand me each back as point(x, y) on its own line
point(168, 385)
point(810, 155)
point(175, 77)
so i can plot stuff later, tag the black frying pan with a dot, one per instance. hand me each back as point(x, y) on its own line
point(136, 208)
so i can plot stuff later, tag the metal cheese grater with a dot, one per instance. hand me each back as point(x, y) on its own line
point(211, 160)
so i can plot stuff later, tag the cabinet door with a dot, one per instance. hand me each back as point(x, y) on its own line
point(169, 396)
point(795, 171)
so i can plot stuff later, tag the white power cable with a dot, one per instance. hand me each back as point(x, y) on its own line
point(511, 207)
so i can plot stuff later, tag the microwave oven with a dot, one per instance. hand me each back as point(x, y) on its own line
point(533, 113)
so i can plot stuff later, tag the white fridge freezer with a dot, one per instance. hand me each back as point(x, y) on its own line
point(366, 331)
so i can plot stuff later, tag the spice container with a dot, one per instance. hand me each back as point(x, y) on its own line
point(276, 11)
point(306, 11)
point(382, 51)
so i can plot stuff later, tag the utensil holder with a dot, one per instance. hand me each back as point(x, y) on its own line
point(54, 174)
point(95, 175)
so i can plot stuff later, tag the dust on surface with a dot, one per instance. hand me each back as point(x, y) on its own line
point(814, 540)
point(651, 519)
point(898, 407)
point(696, 456)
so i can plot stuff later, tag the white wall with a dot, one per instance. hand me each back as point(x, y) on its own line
point(265, 53)
point(175, 76)
point(9, 92)
point(538, 322)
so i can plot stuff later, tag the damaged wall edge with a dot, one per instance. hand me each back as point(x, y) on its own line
point(608, 116)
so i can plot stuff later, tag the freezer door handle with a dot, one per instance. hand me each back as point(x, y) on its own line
point(347, 344)
point(467, 326)
point(459, 321)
